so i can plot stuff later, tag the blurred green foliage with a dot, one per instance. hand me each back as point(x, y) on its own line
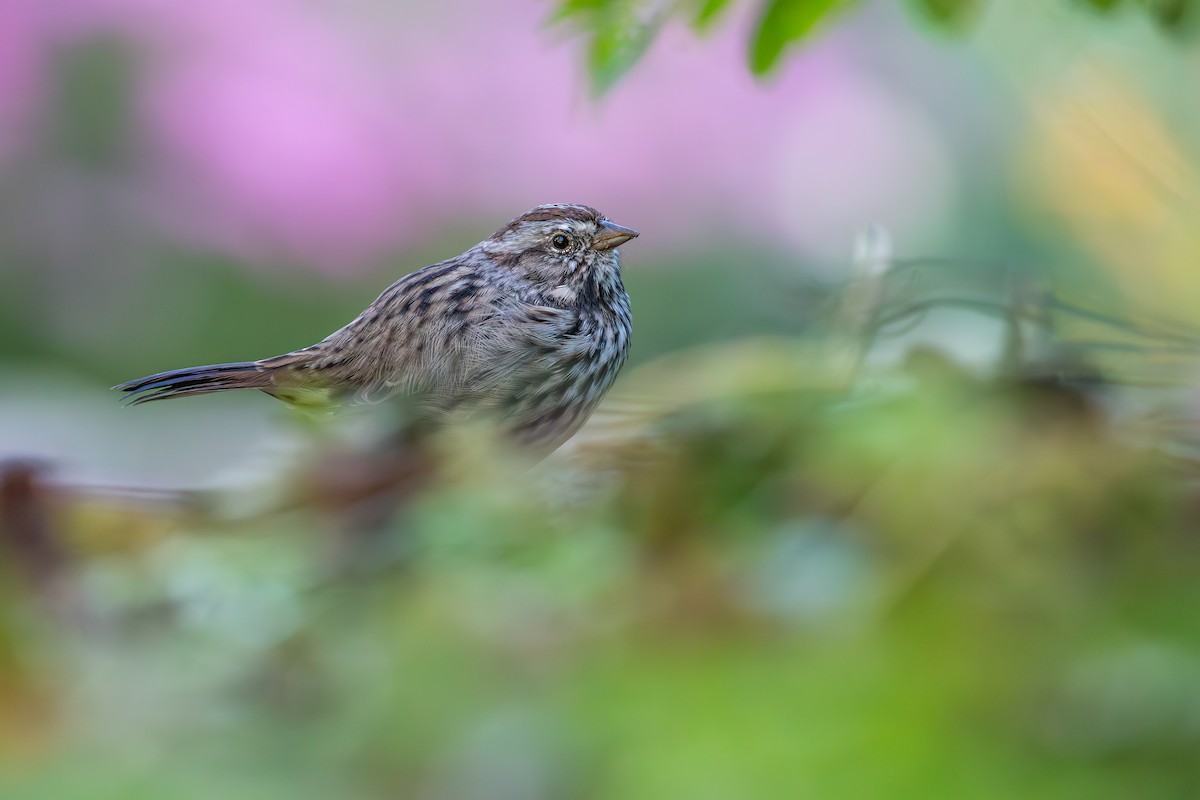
point(781, 585)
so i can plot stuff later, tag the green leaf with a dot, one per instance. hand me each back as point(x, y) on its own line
point(950, 15)
point(620, 32)
point(569, 8)
point(1103, 5)
point(785, 22)
point(707, 12)
point(616, 47)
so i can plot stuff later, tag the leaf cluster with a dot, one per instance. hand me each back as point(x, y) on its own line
point(620, 31)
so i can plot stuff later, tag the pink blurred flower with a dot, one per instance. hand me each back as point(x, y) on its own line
point(282, 149)
point(332, 135)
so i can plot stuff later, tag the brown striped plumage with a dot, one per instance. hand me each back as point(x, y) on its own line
point(531, 326)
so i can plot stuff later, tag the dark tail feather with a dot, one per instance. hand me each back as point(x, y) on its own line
point(198, 380)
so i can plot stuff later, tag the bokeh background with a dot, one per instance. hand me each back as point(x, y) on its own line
point(896, 497)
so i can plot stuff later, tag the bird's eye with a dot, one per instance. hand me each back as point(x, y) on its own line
point(560, 242)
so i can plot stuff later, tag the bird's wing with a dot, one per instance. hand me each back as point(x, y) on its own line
point(448, 332)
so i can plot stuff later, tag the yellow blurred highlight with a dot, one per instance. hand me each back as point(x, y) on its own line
point(1107, 162)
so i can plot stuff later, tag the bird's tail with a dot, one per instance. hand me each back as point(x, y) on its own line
point(269, 375)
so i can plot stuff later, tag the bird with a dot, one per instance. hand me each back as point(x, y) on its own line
point(529, 327)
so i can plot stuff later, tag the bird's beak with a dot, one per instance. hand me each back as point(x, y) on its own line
point(611, 235)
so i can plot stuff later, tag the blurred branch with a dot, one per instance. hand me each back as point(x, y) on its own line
point(28, 534)
point(32, 543)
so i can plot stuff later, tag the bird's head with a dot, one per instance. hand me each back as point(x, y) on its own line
point(561, 245)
